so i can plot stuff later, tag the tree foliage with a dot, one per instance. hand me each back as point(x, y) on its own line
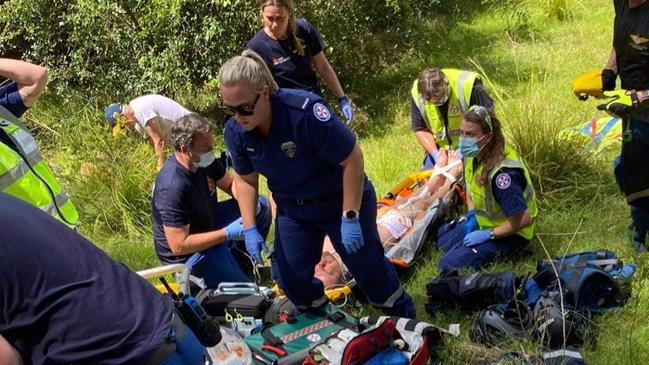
point(128, 47)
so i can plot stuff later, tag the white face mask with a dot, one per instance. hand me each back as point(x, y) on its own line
point(443, 99)
point(206, 159)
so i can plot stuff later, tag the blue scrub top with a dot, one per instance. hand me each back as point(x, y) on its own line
point(300, 157)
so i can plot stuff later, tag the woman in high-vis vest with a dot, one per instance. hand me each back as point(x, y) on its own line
point(438, 100)
point(500, 197)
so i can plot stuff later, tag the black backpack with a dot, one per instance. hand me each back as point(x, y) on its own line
point(585, 279)
point(471, 292)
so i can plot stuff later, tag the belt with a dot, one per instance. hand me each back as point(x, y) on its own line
point(168, 345)
point(311, 201)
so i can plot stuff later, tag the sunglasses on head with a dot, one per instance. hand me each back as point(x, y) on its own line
point(245, 109)
point(483, 113)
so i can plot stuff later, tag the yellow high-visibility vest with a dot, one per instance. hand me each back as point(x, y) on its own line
point(25, 175)
point(487, 210)
point(461, 85)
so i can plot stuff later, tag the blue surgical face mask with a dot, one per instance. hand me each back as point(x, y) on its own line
point(469, 146)
point(206, 159)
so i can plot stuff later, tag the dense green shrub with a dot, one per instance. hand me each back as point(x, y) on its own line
point(128, 47)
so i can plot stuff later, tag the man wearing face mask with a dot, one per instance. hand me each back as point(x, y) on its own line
point(437, 101)
point(189, 224)
point(499, 193)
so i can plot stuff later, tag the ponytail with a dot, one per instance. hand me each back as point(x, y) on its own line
point(291, 31)
point(248, 67)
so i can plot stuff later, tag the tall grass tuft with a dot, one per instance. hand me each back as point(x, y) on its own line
point(109, 179)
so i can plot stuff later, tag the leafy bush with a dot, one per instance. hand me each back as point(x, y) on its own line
point(127, 47)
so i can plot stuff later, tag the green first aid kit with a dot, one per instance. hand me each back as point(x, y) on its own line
point(289, 342)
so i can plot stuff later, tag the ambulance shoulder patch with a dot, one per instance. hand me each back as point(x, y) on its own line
point(321, 112)
point(503, 180)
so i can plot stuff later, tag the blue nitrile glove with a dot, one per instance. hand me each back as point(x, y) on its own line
point(471, 222)
point(476, 237)
point(459, 154)
point(234, 231)
point(255, 243)
point(352, 236)
point(346, 107)
point(435, 155)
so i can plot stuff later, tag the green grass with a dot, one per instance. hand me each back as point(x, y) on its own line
point(528, 52)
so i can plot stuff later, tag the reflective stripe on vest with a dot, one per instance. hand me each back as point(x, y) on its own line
point(30, 179)
point(458, 103)
point(488, 212)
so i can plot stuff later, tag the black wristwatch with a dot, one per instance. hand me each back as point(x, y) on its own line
point(350, 214)
point(492, 234)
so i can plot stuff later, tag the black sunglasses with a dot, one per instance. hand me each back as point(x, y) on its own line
point(245, 110)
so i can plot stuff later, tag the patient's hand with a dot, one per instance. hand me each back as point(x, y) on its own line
point(457, 170)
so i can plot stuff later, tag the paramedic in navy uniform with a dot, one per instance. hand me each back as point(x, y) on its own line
point(315, 172)
point(294, 52)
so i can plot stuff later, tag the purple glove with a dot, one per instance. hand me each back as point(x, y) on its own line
point(477, 237)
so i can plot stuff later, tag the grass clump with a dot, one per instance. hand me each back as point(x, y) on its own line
point(527, 62)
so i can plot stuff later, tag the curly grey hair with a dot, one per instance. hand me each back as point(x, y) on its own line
point(186, 128)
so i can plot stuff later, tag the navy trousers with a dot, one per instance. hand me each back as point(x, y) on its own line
point(457, 256)
point(224, 262)
point(300, 231)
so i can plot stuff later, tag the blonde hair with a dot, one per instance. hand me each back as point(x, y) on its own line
point(298, 44)
point(249, 67)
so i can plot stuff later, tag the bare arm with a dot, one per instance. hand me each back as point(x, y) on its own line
point(31, 79)
point(324, 69)
point(427, 141)
point(611, 64)
point(181, 242)
point(8, 354)
point(514, 224)
point(159, 141)
point(353, 178)
point(247, 191)
point(226, 183)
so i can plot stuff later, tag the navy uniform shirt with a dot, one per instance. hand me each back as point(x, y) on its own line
point(10, 99)
point(631, 43)
point(479, 96)
point(507, 187)
point(289, 69)
point(182, 197)
point(64, 301)
point(300, 157)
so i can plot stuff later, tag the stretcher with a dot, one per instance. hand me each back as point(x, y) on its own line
point(403, 253)
point(180, 272)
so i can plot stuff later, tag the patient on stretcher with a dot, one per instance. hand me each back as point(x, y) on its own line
point(395, 221)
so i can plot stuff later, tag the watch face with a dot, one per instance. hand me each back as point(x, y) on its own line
point(350, 214)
